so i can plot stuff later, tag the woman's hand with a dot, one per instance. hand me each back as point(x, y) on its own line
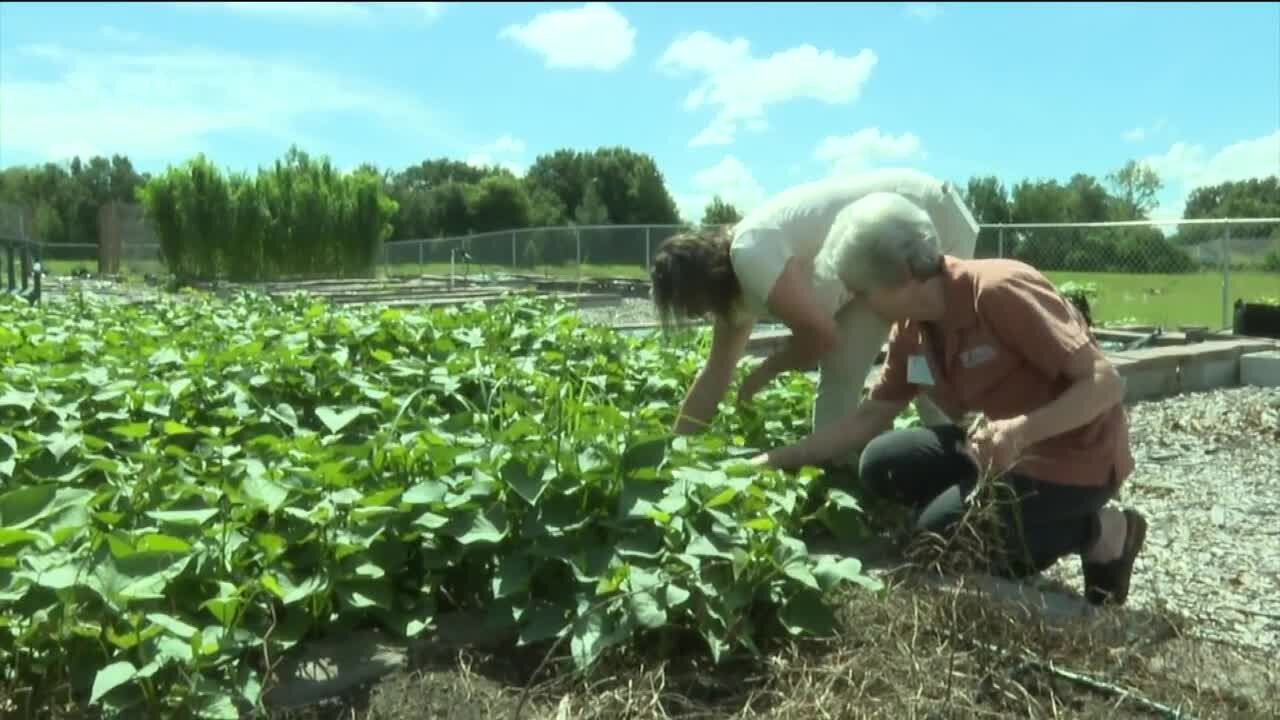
point(996, 445)
point(753, 383)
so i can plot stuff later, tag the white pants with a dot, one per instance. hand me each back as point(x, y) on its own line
point(842, 375)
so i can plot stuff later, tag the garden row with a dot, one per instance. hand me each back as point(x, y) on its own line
point(189, 488)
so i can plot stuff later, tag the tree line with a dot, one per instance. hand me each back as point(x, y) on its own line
point(301, 216)
point(1127, 194)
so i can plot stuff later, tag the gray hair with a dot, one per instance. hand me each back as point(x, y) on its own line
point(880, 240)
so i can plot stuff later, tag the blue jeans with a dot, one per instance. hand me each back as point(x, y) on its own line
point(1038, 523)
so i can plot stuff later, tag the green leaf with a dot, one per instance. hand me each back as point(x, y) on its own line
point(513, 576)
point(29, 505)
point(831, 570)
point(644, 455)
point(261, 489)
point(425, 493)
point(173, 625)
point(798, 570)
point(15, 398)
point(216, 707)
point(489, 526)
point(805, 613)
point(366, 593)
point(111, 677)
point(59, 444)
point(701, 546)
point(528, 484)
point(158, 543)
point(541, 622)
point(336, 420)
point(132, 431)
point(723, 498)
point(431, 521)
point(842, 500)
point(587, 639)
point(176, 428)
point(16, 537)
point(183, 517)
point(167, 356)
point(179, 386)
point(289, 592)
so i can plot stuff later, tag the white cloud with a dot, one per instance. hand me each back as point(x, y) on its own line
point(591, 37)
point(163, 106)
point(1139, 134)
point(506, 151)
point(866, 148)
point(323, 12)
point(1185, 167)
point(730, 179)
point(741, 87)
point(924, 11)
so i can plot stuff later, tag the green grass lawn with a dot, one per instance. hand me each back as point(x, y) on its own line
point(1169, 300)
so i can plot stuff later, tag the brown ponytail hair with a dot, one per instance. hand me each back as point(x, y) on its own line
point(692, 275)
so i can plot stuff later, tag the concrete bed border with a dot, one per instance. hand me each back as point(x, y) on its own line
point(1150, 373)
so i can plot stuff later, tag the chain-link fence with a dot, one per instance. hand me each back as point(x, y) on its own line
point(1164, 273)
point(584, 251)
point(126, 245)
point(1168, 273)
point(19, 249)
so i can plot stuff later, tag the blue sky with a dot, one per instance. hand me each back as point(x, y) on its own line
point(742, 100)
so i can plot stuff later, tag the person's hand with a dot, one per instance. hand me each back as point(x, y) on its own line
point(996, 445)
point(753, 383)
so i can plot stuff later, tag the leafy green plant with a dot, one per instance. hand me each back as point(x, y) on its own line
point(192, 487)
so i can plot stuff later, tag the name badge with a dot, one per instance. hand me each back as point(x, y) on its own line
point(979, 355)
point(918, 372)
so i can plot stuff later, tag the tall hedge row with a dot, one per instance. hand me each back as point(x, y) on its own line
point(298, 218)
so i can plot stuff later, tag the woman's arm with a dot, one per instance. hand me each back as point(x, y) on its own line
point(868, 420)
point(1096, 386)
point(813, 330)
point(727, 346)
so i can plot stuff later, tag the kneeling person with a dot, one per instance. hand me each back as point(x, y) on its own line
point(992, 337)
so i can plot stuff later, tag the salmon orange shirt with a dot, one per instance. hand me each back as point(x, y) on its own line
point(1001, 350)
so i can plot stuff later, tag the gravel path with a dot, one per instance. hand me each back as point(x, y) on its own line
point(1208, 482)
point(632, 310)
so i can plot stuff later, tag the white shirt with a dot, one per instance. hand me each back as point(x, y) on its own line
point(796, 222)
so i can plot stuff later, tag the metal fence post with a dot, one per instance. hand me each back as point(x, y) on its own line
point(647, 254)
point(514, 265)
point(577, 239)
point(1000, 243)
point(37, 267)
point(8, 252)
point(422, 259)
point(24, 257)
point(1226, 277)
